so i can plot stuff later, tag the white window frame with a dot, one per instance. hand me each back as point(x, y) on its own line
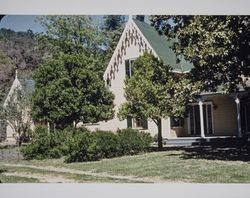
point(130, 64)
point(212, 116)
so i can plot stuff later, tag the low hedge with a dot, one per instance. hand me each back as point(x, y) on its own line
point(80, 145)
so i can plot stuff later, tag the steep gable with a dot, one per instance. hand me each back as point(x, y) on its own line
point(147, 39)
point(26, 85)
point(16, 85)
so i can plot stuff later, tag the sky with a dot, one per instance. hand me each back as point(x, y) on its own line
point(24, 23)
point(21, 23)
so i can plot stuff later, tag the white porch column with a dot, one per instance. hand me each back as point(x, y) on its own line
point(201, 118)
point(237, 101)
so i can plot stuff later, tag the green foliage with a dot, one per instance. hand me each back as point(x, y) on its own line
point(218, 46)
point(69, 87)
point(82, 145)
point(108, 144)
point(83, 148)
point(102, 144)
point(154, 92)
point(133, 141)
point(47, 145)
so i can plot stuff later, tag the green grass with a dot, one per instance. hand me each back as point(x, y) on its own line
point(169, 166)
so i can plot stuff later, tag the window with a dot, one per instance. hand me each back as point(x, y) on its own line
point(137, 123)
point(108, 83)
point(177, 122)
point(194, 118)
point(128, 67)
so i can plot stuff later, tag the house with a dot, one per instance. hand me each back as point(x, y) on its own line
point(214, 114)
point(7, 132)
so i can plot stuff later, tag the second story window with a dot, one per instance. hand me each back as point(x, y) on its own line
point(128, 67)
point(108, 83)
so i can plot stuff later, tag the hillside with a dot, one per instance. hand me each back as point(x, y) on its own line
point(17, 50)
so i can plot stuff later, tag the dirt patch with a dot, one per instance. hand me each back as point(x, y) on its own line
point(45, 178)
point(104, 175)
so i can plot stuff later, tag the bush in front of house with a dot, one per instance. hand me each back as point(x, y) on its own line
point(80, 145)
point(92, 146)
point(103, 144)
point(108, 144)
point(47, 145)
point(84, 147)
point(133, 141)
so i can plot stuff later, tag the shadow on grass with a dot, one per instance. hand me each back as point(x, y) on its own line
point(3, 170)
point(233, 150)
point(240, 153)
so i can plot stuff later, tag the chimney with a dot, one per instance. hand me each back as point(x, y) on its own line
point(140, 17)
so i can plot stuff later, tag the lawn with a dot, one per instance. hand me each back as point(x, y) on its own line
point(167, 166)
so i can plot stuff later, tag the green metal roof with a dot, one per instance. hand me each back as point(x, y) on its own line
point(162, 47)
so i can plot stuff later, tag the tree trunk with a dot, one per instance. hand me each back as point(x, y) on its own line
point(159, 134)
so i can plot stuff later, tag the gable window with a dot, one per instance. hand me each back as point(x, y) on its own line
point(128, 67)
point(108, 83)
point(137, 123)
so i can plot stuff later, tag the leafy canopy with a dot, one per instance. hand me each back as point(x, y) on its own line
point(218, 46)
point(153, 91)
point(68, 84)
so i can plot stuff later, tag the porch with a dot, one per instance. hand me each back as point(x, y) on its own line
point(213, 116)
point(199, 141)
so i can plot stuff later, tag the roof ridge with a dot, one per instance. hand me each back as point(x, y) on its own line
point(162, 46)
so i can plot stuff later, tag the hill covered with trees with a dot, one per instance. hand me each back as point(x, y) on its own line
point(18, 50)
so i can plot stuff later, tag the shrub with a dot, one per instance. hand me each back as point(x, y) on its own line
point(44, 145)
point(133, 141)
point(81, 145)
point(84, 147)
point(108, 144)
point(38, 148)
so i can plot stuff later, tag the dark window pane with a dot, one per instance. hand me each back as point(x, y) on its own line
point(209, 114)
point(197, 120)
point(191, 119)
point(127, 68)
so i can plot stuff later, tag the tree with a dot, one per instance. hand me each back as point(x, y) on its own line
point(16, 112)
point(154, 92)
point(69, 86)
point(113, 27)
point(218, 46)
